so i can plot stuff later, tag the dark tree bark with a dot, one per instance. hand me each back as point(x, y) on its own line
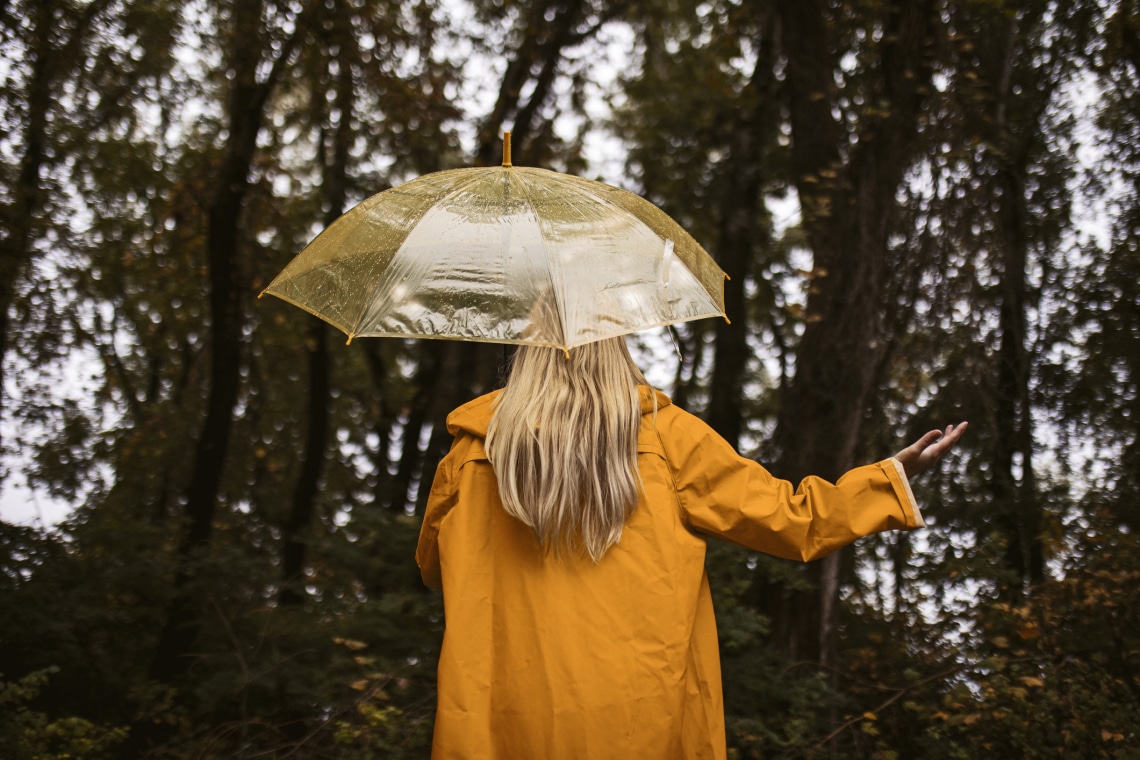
point(335, 191)
point(303, 505)
point(737, 241)
point(432, 356)
point(49, 64)
point(541, 47)
point(690, 349)
point(1019, 510)
point(1020, 513)
point(385, 419)
point(846, 197)
point(246, 112)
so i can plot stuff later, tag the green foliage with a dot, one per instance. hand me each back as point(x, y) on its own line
point(28, 734)
point(946, 647)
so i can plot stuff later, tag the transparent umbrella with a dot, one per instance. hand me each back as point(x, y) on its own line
point(503, 254)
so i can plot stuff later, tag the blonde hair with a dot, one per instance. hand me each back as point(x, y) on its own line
point(563, 442)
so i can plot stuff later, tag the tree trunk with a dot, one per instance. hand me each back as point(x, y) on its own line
point(246, 111)
point(428, 377)
point(1015, 494)
point(386, 416)
point(15, 247)
point(335, 191)
point(542, 44)
point(738, 239)
point(293, 538)
point(48, 65)
point(847, 208)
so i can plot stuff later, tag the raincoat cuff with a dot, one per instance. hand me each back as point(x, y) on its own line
point(918, 521)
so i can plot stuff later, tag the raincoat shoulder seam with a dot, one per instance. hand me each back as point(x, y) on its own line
point(670, 469)
point(476, 452)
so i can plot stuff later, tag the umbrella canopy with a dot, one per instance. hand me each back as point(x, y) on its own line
point(507, 255)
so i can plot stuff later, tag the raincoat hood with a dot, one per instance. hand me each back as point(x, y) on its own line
point(474, 416)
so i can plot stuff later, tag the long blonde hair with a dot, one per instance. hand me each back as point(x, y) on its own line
point(563, 442)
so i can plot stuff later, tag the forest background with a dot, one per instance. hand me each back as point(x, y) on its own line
point(957, 205)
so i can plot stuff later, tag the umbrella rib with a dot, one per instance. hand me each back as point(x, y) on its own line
point(356, 322)
point(549, 276)
point(584, 187)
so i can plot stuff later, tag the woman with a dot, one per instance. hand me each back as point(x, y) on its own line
point(567, 530)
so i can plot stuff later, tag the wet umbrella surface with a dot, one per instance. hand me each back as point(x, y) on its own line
point(503, 254)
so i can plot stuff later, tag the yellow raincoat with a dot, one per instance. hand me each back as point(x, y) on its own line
point(557, 657)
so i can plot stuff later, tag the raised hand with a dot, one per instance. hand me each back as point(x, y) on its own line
point(929, 449)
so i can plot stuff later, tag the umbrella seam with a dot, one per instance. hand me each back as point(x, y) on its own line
point(562, 179)
point(585, 189)
point(546, 257)
point(435, 204)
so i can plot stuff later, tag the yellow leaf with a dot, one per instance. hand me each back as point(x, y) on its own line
point(1031, 681)
point(971, 719)
point(352, 644)
point(870, 716)
point(360, 685)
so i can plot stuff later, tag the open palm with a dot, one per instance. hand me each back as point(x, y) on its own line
point(928, 449)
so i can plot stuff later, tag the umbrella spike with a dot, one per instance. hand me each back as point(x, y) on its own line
point(506, 148)
point(349, 341)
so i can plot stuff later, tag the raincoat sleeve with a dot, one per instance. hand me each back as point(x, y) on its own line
point(726, 495)
point(443, 496)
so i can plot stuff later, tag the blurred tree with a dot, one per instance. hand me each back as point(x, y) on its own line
point(1097, 372)
point(856, 87)
point(46, 46)
point(249, 46)
point(933, 152)
point(702, 128)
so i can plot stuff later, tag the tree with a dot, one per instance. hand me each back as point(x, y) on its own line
point(249, 46)
point(933, 152)
point(852, 144)
point(49, 44)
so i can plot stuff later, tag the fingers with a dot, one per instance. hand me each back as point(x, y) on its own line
point(947, 440)
point(928, 449)
point(930, 437)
